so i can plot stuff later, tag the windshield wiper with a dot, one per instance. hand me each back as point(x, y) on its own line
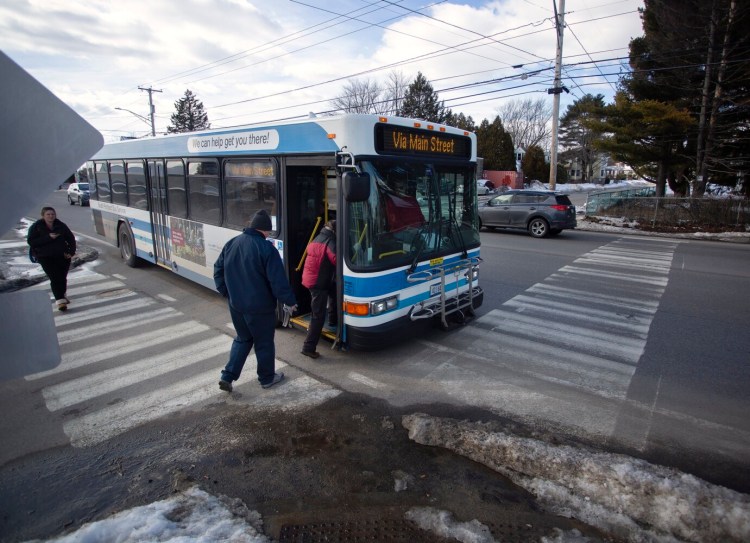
point(419, 240)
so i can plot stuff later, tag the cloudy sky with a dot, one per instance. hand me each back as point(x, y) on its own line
point(253, 61)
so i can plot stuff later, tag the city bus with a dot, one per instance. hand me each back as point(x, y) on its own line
point(402, 192)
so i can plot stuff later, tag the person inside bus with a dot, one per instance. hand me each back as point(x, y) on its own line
point(402, 208)
point(249, 272)
point(53, 245)
point(318, 276)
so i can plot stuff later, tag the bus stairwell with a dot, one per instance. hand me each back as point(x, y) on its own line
point(455, 303)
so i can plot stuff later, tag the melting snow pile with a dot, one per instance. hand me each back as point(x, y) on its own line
point(628, 498)
point(193, 515)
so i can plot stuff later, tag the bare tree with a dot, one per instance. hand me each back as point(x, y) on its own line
point(369, 96)
point(359, 96)
point(527, 122)
point(395, 89)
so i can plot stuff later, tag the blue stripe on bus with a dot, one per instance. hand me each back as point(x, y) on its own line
point(386, 284)
point(422, 296)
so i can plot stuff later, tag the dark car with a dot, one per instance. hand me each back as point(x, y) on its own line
point(543, 213)
point(78, 193)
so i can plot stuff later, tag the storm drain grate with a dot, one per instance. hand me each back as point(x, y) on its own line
point(380, 530)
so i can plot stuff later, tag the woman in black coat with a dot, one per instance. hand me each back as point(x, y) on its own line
point(53, 245)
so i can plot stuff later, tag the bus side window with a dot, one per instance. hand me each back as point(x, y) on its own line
point(176, 196)
point(249, 186)
point(203, 191)
point(119, 186)
point(101, 174)
point(137, 194)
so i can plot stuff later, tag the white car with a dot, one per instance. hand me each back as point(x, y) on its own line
point(485, 186)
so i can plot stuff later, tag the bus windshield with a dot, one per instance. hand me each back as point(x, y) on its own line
point(416, 211)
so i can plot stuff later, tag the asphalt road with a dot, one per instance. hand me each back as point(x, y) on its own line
point(632, 343)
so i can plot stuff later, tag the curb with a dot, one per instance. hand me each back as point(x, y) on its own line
point(33, 273)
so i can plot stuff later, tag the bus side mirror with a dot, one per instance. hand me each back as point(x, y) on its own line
point(356, 186)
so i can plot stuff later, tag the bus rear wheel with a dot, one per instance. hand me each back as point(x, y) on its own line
point(127, 247)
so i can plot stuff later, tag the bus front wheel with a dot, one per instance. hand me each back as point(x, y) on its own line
point(127, 247)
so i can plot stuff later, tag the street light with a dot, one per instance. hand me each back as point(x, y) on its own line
point(141, 117)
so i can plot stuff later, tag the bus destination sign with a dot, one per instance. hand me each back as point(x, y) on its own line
point(401, 140)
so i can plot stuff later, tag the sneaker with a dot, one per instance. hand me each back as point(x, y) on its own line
point(277, 377)
point(311, 354)
point(225, 385)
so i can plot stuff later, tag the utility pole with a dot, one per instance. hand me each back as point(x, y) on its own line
point(555, 91)
point(151, 106)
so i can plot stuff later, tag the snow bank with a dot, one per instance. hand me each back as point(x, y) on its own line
point(193, 515)
point(628, 498)
point(443, 523)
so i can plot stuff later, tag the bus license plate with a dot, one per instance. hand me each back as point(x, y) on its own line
point(435, 289)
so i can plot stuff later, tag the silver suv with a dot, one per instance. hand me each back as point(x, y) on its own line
point(542, 213)
point(78, 193)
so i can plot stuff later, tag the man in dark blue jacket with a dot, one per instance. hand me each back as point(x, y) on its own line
point(249, 272)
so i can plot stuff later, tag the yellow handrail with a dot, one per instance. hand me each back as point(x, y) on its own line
point(359, 242)
point(312, 236)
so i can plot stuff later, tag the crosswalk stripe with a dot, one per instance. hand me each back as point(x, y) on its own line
point(100, 308)
point(93, 287)
point(646, 279)
point(506, 321)
point(115, 419)
point(580, 313)
point(97, 384)
point(560, 332)
point(613, 301)
point(104, 351)
point(103, 424)
point(624, 264)
point(82, 277)
point(119, 324)
point(72, 317)
point(97, 299)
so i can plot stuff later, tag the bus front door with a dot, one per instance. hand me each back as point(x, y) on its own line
point(159, 218)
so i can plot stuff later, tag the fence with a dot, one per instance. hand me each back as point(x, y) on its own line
point(671, 212)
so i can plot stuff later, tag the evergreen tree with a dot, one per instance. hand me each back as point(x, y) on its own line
point(421, 102)
point(693, 56)
point(577, 137)
point(495, 145)
point(648, 135)
point(534, 165)
point(189, 115)
point(460, 121)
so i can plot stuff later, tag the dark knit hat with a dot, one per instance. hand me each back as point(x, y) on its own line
point(261, 221)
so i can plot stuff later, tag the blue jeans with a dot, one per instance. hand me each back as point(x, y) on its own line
point(257, 330)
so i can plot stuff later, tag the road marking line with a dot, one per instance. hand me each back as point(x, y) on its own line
point(100, 383)
point(90, 314)
point(166, 298)
point(112, 349)
point(116, 325)
point(372, 383)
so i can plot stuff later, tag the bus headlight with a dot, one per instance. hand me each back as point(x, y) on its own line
point(381, 306)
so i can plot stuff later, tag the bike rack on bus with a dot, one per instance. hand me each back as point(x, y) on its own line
point(445, 304)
